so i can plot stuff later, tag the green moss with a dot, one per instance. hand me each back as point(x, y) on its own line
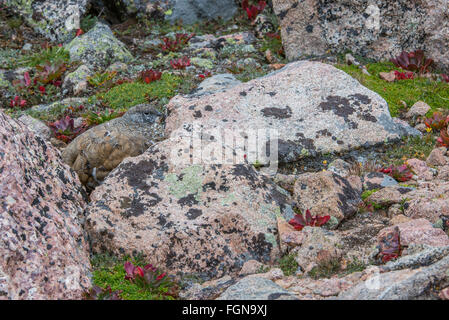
point(367, 193)
point(354, 266)
point(325, 269)
point(434, 93)
point(410, 147)
point(288, 264)
point(126, 95)
point(109, 271)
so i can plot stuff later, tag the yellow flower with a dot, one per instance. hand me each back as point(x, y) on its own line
point(325, 162)
point(429, 129)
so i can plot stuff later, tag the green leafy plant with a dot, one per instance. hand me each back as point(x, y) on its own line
point(50, 54)
point(100, 78)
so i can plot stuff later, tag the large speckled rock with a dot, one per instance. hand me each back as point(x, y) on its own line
point(100, 149)
point(186, 218)
point(377, 29)
point(190, 11)
point(98, 48)
point(44, 254)
point(314, 107)
point(57, 20)
point(199, 10)
point(256, 288)
point(427, 273)
point(326, 193)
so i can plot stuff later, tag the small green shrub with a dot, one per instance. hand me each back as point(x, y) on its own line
point(49, 55)
point(367, 193)
point(288, 264)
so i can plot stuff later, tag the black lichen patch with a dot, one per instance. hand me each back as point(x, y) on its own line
point(193, 213)
point(188, 200)
point(340, 106)
point(277, 113)
point(349, 198)
point(197, 114)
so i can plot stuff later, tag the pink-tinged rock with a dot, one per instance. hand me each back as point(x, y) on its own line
point(444, 294)
point(186, 218)
point(326, 193)
point(43, 249)
point(437, 157)
point(309, 108)
point(420, 108)
point(288, 236)
point(418, 231)
point(421, 169)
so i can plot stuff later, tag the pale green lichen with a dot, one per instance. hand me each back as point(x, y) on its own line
point(202, 63)
point(190, 181)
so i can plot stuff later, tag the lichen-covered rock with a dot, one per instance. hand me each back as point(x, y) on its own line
point(187, 218)
point(421, 281)
point(256, 288)
point(326, 193)
point(314, 108)
point(318, 246)
point(37, 126)
point(57, 20)
point(100, 149)
point(419, 231)
point(437, 157)
point(98, 48)
point(76, 82)
point(419, 109)
point(199, 10)
point(369, 28)
point(44, 254)
point(216, 83)
point(377, 180)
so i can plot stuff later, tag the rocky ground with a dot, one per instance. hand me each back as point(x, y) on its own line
point(102, 196)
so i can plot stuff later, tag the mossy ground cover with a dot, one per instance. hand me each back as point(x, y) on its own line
point(434, 93)
point(126, 95)
point(109, 271)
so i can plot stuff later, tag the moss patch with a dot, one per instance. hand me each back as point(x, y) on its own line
point(288, 264)
point(434, 93)
point(109, 271)
point(127, 95)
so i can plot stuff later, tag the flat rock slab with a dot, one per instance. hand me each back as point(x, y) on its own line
point(201, 219)
point(256, 288)
point(419, 231)
point(313, 107)
point(43, 249)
